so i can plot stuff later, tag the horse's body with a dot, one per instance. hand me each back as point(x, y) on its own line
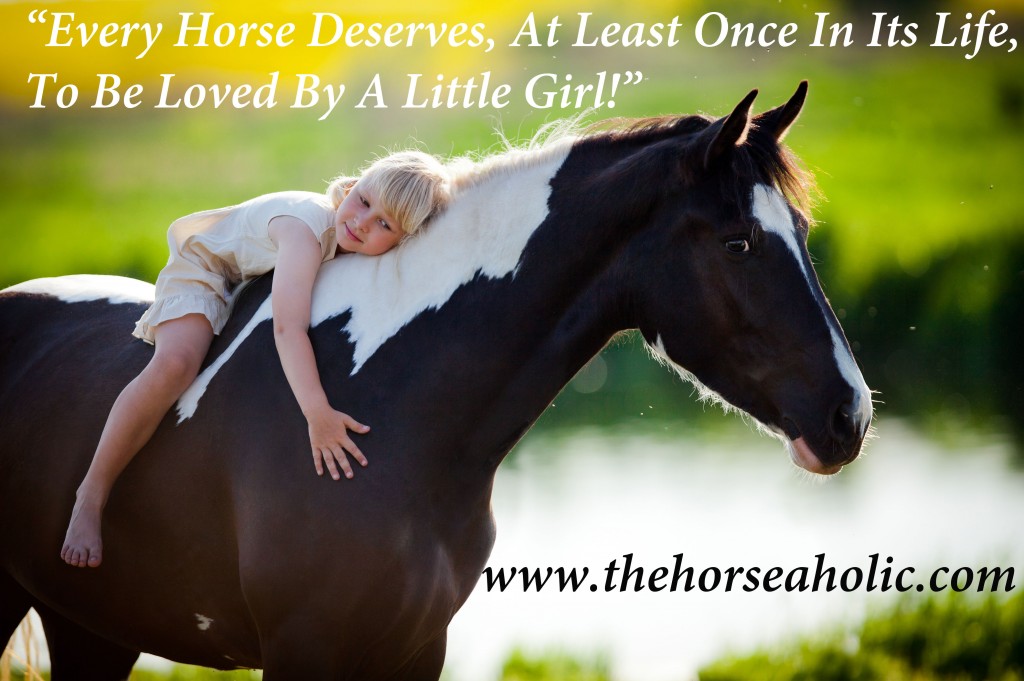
point(222, 548)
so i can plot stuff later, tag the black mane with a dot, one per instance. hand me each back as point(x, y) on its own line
point(760, 158)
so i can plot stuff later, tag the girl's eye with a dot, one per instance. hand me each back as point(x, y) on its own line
point(385, 225)
point(737, 246)
point(364, 201)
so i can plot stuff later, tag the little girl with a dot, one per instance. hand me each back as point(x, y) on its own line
point(292, 233)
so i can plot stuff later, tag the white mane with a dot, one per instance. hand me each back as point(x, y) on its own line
point(497, 204)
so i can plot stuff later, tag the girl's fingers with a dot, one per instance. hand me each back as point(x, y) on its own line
point(354, 425)
point(329, 457)
point(339, 454)
point(351, 448)
point(335, 455)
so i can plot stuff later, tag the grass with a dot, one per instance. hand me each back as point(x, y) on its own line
point(521, 666)
point(933, 639)
point(20, 665)
point(948, 638)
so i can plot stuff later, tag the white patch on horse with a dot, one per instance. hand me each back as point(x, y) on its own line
point(771, 210)
point(484, 231)
point(189, 400)
point(204, 622)
point(80, 288)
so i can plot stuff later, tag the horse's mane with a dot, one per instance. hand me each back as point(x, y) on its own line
point(760, 156)
point(551, 139)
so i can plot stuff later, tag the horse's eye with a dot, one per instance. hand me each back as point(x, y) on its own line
point(737, 245)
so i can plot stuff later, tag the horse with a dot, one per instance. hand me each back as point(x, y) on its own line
point(224, 549)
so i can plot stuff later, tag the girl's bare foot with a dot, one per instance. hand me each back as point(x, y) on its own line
point(83, 546)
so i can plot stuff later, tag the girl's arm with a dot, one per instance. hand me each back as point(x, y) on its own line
point(298, 261)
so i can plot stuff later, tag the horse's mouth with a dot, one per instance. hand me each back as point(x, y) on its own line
point(802, 455)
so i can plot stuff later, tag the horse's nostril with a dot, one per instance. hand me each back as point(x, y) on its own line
point(842, 426)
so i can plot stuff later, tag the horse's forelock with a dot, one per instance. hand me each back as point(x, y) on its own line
point(781, 168)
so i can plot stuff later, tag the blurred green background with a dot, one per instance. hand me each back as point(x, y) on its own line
point(917, 151)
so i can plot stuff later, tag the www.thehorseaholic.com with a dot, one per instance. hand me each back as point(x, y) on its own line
point(624, 574)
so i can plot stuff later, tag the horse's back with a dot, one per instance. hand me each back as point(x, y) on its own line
point(66, 352)
point(67, 340)
point(51, 322)
point(220, 518)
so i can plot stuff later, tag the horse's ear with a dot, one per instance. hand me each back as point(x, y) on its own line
point(731, 131)
point(777, 121)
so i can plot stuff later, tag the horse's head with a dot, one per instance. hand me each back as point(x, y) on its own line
point(726, 291)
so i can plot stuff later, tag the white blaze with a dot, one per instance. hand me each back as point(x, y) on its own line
point(771, 210)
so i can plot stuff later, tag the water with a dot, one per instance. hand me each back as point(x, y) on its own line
point(724, 500)
point(733, 501)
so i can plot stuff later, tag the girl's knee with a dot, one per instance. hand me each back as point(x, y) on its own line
point(175, 368)
point(181, 345)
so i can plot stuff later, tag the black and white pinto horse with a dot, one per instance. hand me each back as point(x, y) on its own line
point(224, 549)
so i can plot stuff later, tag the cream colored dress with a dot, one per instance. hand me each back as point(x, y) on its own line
point(215, 250)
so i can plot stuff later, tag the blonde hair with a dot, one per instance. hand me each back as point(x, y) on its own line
point(411, 185)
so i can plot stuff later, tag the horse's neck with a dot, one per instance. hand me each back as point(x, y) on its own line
point(547, 318)
point(503, 300)
point(534, 377)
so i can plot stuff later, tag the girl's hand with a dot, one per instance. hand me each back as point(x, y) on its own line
point(298, 259)
point(330, 441)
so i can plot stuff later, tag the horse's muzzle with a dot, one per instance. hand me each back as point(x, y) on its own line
point(802, 455)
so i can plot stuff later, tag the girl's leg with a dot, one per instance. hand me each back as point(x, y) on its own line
point(181, 345)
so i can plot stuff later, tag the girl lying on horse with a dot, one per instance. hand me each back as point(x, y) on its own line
point(292, 233)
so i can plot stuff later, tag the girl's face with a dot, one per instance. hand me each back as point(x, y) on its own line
point(363, 226)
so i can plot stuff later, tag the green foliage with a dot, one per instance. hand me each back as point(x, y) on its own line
point(553, 667)
point(950, 638)
point(945, 343)
point(934, 639)
point(819, 661)
point(178, 672)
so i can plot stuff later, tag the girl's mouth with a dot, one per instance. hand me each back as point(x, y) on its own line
point(351, 235)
